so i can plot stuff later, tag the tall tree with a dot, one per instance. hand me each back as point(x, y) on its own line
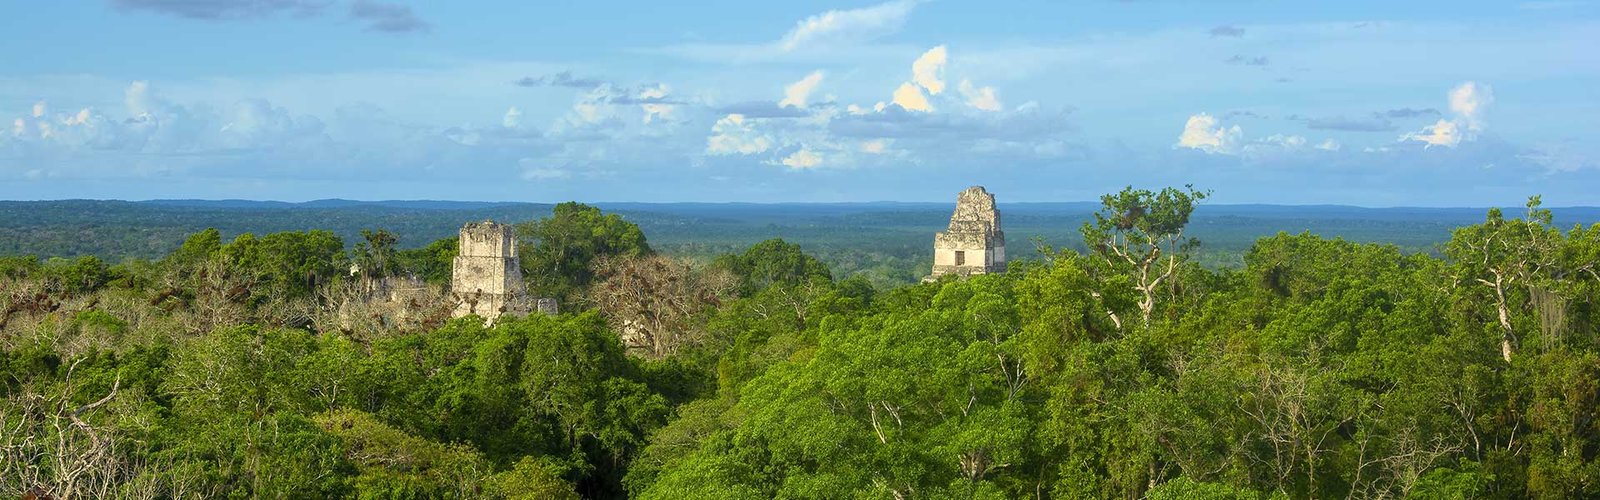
point(1139, 233)
point(1508, 260)
point(654, 302)
point(558, 252)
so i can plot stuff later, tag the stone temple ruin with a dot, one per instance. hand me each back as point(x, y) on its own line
point(486, 277)
point(974, 243)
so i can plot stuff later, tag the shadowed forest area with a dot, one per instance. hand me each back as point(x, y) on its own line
point(1137, 348)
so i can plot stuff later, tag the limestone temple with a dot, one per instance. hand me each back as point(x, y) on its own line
point(974, 243)
point(486, 277)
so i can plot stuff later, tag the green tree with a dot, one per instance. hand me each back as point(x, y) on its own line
point(291, 264)
point(433, 263)
point(1508, 261)
point(773, 262)
point(1139, 233)
point(376, 253)
point(558, 252)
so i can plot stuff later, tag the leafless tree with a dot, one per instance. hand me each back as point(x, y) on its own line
point(654, 300)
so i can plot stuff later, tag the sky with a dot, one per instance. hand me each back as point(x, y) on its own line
point(1371, 103)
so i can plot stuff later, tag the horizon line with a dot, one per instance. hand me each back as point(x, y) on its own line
point(763, 203)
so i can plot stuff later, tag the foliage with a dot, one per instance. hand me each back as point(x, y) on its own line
point(1315, 368)
point(773, 262)
point(558, 252)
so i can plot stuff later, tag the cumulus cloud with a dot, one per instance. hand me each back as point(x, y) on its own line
point(1329, 145)
point(648, 110)
point(795, 94)
point(983, 98)
point(921, 129)
point(928, 70)
point(157, 135)
point(1202, 132)
point(1285, 141)
point(1467, 103)
point(387, 17)
point(843, 26)
point(733, 134)
point(137, 98)
point(1443, 133)
point(38, 109)
point(256, 123)
point(802, 159)
point(909, 97)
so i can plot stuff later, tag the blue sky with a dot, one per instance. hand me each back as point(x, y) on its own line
point(1355, 102)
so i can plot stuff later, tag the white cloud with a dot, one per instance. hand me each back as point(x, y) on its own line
point(589, 112)
point(837, 26)
point(38, 109)
point(1202, 132)
point(512, 119)
point(608, 106)
point(1467, 103)
point(654, 112)
point(137, 98)
point(910, 97)
point(79, 119)
point(1444, 133)
point(796, 93)
point(733, 134)
point(656, 91)
point(1285, 141)
point(653, 103)
point(983, 98)
point(803, 159)
point(1329, 145)
point(928, 70)
point(875, 146)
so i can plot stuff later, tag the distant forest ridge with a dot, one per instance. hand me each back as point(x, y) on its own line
point(891, 240)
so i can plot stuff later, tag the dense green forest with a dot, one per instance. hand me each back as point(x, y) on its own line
point(1114, 365)
point(886, 243)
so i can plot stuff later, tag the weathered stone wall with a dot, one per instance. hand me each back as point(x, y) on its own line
point(486, 277)
point(973, 243)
